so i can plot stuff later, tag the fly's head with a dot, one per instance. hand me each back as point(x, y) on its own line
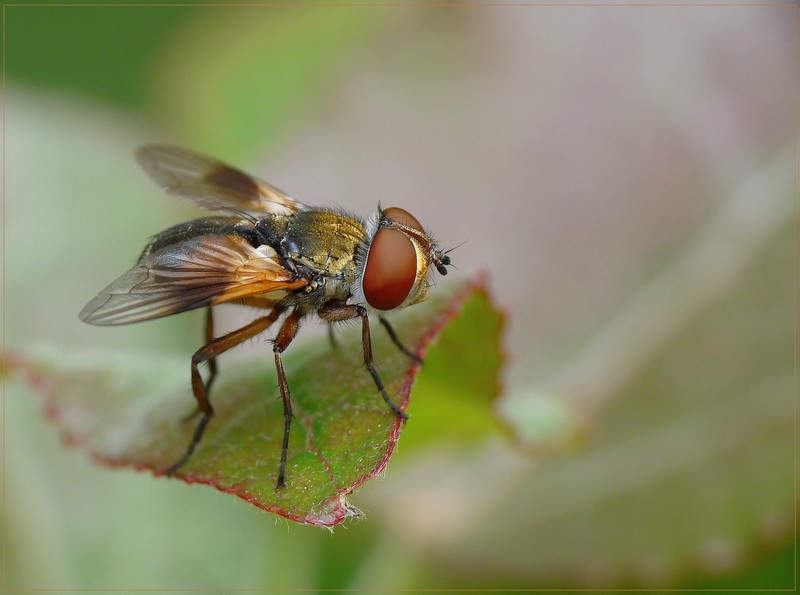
point(398, 263)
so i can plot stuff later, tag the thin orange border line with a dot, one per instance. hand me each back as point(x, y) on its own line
point(425, 5)
point(395, 4)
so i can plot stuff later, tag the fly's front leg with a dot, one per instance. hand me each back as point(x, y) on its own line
point(340, 312)
point(207, 353)
point(288, 332)
point(396, 340)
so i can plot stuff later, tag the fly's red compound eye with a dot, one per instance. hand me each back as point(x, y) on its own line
point(391, 269)
point(402, 216)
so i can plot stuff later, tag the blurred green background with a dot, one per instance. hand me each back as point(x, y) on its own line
point(626, 176)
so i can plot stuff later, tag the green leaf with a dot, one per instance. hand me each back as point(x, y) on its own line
point(451, 404)
point(127, 410)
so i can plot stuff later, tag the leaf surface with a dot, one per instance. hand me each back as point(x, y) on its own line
point(127, 410)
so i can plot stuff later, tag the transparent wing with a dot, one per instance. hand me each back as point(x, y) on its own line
point(204, 270)
point(211, 184)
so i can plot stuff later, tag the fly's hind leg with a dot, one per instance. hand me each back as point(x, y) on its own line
point(207, 353)
point(212, 361)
